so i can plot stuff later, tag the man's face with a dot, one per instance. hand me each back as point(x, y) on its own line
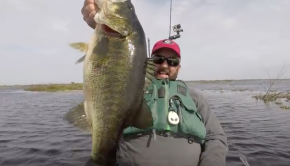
point(163, 68)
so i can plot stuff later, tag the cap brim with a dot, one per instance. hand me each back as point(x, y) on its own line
point(165, 46)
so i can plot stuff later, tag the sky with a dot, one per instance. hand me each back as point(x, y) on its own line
point(222, 39)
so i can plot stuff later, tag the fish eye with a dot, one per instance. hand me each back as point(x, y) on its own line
point(131, 7)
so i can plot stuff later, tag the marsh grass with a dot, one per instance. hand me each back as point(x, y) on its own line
point(285, 107)
point(209, 81)
point(239, 90)
point(274, 96)
point(54, 87)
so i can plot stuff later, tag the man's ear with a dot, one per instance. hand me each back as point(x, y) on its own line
point(177, 72)
point(178, 69)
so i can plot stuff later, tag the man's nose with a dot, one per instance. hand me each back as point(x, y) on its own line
point(164, 64)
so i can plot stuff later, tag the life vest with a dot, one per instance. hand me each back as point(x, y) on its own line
point(173, 110)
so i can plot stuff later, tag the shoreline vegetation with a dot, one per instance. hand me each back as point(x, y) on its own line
point(228, 81)
point(189, 81)
point(270, 96)
point(54, 87)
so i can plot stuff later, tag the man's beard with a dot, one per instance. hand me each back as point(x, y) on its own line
point(166, 71)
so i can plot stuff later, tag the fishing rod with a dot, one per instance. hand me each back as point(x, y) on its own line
point(149, 48)
point(244, 159)
point(170, 13)
point(176, 28)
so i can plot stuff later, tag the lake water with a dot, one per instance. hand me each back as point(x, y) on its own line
point(33, 132)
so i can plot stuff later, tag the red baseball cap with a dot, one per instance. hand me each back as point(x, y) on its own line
point(166, 43)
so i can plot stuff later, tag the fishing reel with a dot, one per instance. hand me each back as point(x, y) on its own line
point(177, 29)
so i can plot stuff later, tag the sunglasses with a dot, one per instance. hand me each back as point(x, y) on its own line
point(159, 59)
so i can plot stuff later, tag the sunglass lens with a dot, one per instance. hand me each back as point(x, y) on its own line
point(158, 60)
point(170, 61)
point(173, 62)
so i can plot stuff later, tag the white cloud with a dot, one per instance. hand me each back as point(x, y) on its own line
point(60, 25)
point(222, 39)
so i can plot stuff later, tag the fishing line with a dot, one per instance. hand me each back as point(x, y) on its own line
point(170, 12)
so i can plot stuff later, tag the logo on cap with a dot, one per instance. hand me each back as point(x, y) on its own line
point(167, 41)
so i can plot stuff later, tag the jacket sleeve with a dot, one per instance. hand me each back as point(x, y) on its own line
point(215, 148)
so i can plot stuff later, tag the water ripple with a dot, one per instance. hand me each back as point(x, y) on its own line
point(33, 132)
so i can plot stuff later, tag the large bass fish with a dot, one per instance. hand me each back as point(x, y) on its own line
point(115, 75)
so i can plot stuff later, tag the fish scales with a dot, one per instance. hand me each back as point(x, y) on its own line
point(111, 79)
point(114, 72)
point(111, 74)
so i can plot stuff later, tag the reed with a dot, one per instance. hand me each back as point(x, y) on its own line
point(273, 96)
point(54, 87)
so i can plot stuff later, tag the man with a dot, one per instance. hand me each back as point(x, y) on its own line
point(169, 148)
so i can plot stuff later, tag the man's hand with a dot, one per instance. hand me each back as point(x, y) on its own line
point(89, 11)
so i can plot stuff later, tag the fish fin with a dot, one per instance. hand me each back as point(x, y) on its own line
point(81, 46)
point(143, 119)
point(150, 69)
point(77, 117)
point(81, 59)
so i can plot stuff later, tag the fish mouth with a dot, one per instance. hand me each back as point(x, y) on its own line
point(107, 26)
point(109, 31)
